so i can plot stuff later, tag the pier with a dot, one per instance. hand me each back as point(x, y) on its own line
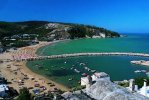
point(83, 54)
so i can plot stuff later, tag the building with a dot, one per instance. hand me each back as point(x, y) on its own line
point(144, 90)
point(86, 81)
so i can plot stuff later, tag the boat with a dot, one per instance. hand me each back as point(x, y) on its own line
point(70, 79)
point(82, 64)
point(144, 71)
point(86, 68)
point(77, 71)
point(93, 71)
point(84, 74)
point(137, 71)
point(72, 68)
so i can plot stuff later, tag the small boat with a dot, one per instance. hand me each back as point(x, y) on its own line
point(82, 64)
point(137, 71)
point(70, 79)
point(72, 68)
point(65, 62)
point(144, 71)
point(93, 71)
point(84, 74)
point(86, 68)
point(76, 70)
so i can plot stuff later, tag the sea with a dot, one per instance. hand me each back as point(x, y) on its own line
point(62, 70)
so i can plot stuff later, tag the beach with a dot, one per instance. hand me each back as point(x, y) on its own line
point(20, 75)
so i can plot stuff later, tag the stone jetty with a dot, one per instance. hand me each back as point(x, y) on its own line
point(84, 54)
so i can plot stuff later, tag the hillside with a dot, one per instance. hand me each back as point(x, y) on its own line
point(48, 31)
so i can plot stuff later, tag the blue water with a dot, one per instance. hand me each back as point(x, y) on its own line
point(118, 67)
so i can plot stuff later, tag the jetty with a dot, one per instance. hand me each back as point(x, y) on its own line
point(141, 62)
point(81, 54)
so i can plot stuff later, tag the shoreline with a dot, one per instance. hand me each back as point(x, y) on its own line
point(16, 71)
point(32, 51)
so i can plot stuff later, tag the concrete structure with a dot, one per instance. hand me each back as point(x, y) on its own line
point(144, 90)
point(86, 81)
point(131, 85)
point(104, 89)
point(83, 54)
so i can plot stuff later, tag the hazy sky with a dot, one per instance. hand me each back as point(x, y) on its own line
point(131, 16)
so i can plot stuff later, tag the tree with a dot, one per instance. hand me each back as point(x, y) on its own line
point(77, 31)
point(140, 81)
point(24, 94)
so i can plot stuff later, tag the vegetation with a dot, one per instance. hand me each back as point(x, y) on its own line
point(42, 31)
point(80, 31)
point(79, 87)
point(124, 84)
point(30, 27)
point(77, 32)
point(24, 94)
point(140, 81)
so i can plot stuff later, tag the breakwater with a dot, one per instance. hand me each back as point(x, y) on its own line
point(84, 54)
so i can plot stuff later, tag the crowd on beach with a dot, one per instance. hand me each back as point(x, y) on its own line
point(20, 76)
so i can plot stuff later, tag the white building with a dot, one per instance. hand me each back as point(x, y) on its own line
point(144, 90)
point(134, 88)
point(86, 81)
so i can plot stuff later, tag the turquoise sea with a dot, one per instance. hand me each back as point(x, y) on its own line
point(118, 67)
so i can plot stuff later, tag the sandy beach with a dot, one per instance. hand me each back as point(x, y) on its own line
point(21, 76)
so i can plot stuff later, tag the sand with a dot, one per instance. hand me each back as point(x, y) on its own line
point(20, 75)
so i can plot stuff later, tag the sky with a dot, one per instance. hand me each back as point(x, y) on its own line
point(124, 16)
